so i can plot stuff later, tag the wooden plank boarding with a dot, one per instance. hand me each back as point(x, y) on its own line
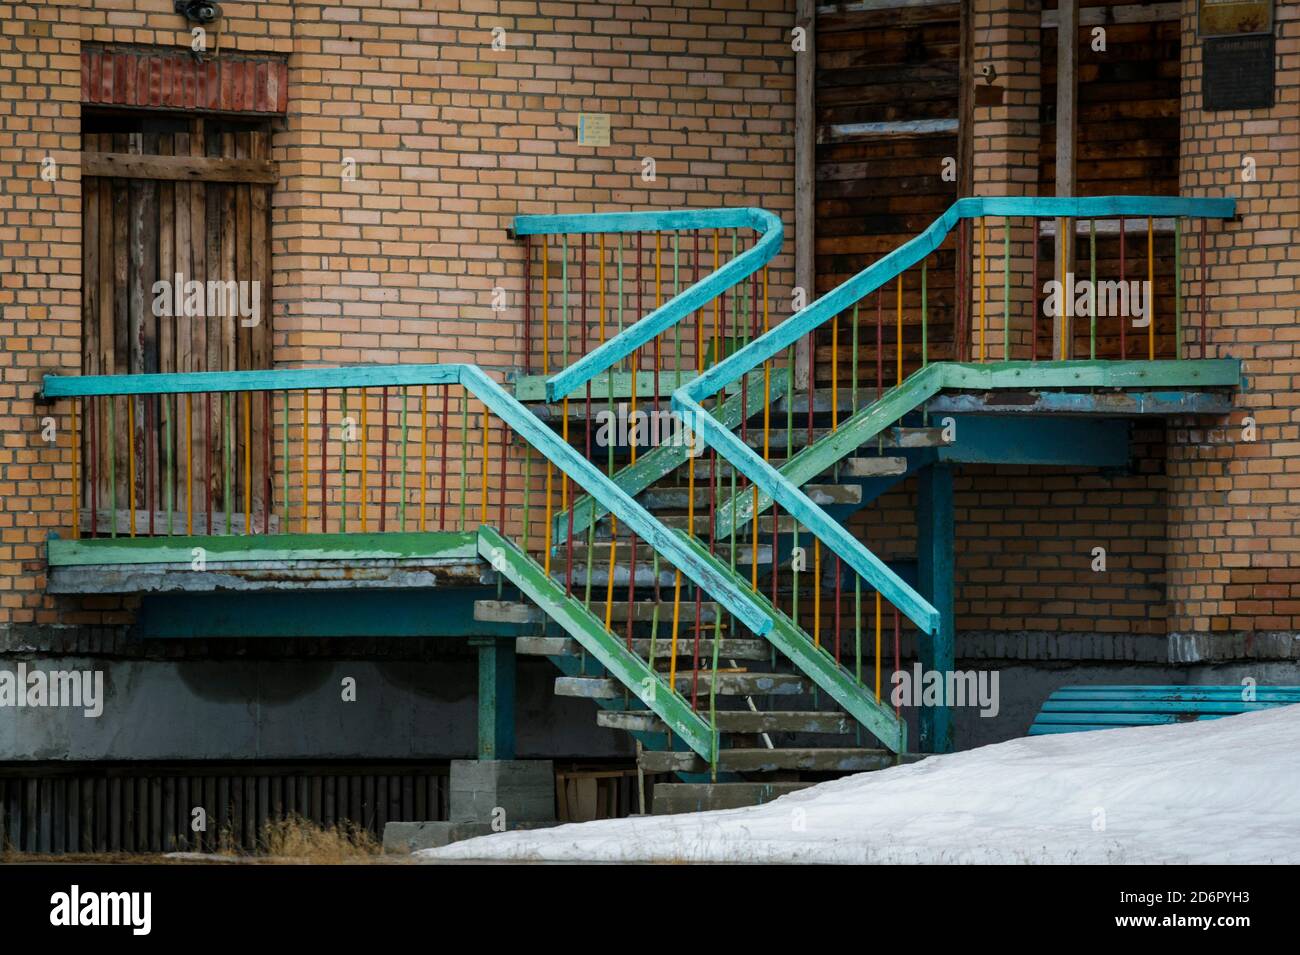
point(182, 167)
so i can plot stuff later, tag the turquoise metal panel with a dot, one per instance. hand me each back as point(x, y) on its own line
point(1078, 709)
point(1078, 442)
point(659, 220)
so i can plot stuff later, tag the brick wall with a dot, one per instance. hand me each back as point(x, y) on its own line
point(450, 140)
point(40, 271)
point(1025, 536)
point(1005, 135)
point(1234, 562)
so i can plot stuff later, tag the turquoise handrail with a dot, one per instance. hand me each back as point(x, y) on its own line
point(600, 359)
point(478, 383)
point(687, 401)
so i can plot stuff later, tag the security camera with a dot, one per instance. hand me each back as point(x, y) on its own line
point(197, 11)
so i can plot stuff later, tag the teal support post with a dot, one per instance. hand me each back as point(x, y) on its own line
point(496, 697)
point(935, 553)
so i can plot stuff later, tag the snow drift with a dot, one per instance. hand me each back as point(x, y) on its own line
point(1223, 791)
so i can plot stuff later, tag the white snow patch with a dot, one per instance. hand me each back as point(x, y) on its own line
point(1222, 791)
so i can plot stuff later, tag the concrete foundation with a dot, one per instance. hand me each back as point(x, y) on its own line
point(304, 709)
point(505, 790)
point(487, 795)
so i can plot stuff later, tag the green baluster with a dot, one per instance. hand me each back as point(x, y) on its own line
point(1092, 278)
point(1006, 290)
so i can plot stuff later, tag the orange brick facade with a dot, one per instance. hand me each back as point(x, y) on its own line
point(1234, 527)
point(452, 138)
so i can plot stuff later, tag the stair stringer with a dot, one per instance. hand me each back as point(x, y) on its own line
point(580, 623)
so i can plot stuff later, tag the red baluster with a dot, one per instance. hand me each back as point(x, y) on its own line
point(383, 458)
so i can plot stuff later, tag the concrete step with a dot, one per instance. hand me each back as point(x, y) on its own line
point(588, 687)
point(728, 684)
point(645, 576)
point(677, 498)
point(673, 798)
point(829, 760)
point(737, 721)
point(701, 526)
point(889, 438)
point(524, 612)
point(728, 649)
point(873, 467)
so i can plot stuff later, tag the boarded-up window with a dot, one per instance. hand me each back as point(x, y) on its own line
point(887, 117)
point(176, 278)
point(1126, 144)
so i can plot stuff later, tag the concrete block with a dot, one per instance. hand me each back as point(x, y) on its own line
point(403, 838)
point(407, 837)
point(523, 788)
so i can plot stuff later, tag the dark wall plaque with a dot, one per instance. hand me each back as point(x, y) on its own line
point(1237, 72)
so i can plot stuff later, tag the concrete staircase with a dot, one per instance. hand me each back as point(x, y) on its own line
point(777, 730)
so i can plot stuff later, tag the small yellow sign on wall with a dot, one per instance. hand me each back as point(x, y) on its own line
point(1235, 17)
point(593, 129)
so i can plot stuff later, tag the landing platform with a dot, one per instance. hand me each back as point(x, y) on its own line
point(277, 562)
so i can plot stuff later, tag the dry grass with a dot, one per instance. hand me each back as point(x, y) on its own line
point(291, 840)
point(302, 840)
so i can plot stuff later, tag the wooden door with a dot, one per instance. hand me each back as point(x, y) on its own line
point(171, 206)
